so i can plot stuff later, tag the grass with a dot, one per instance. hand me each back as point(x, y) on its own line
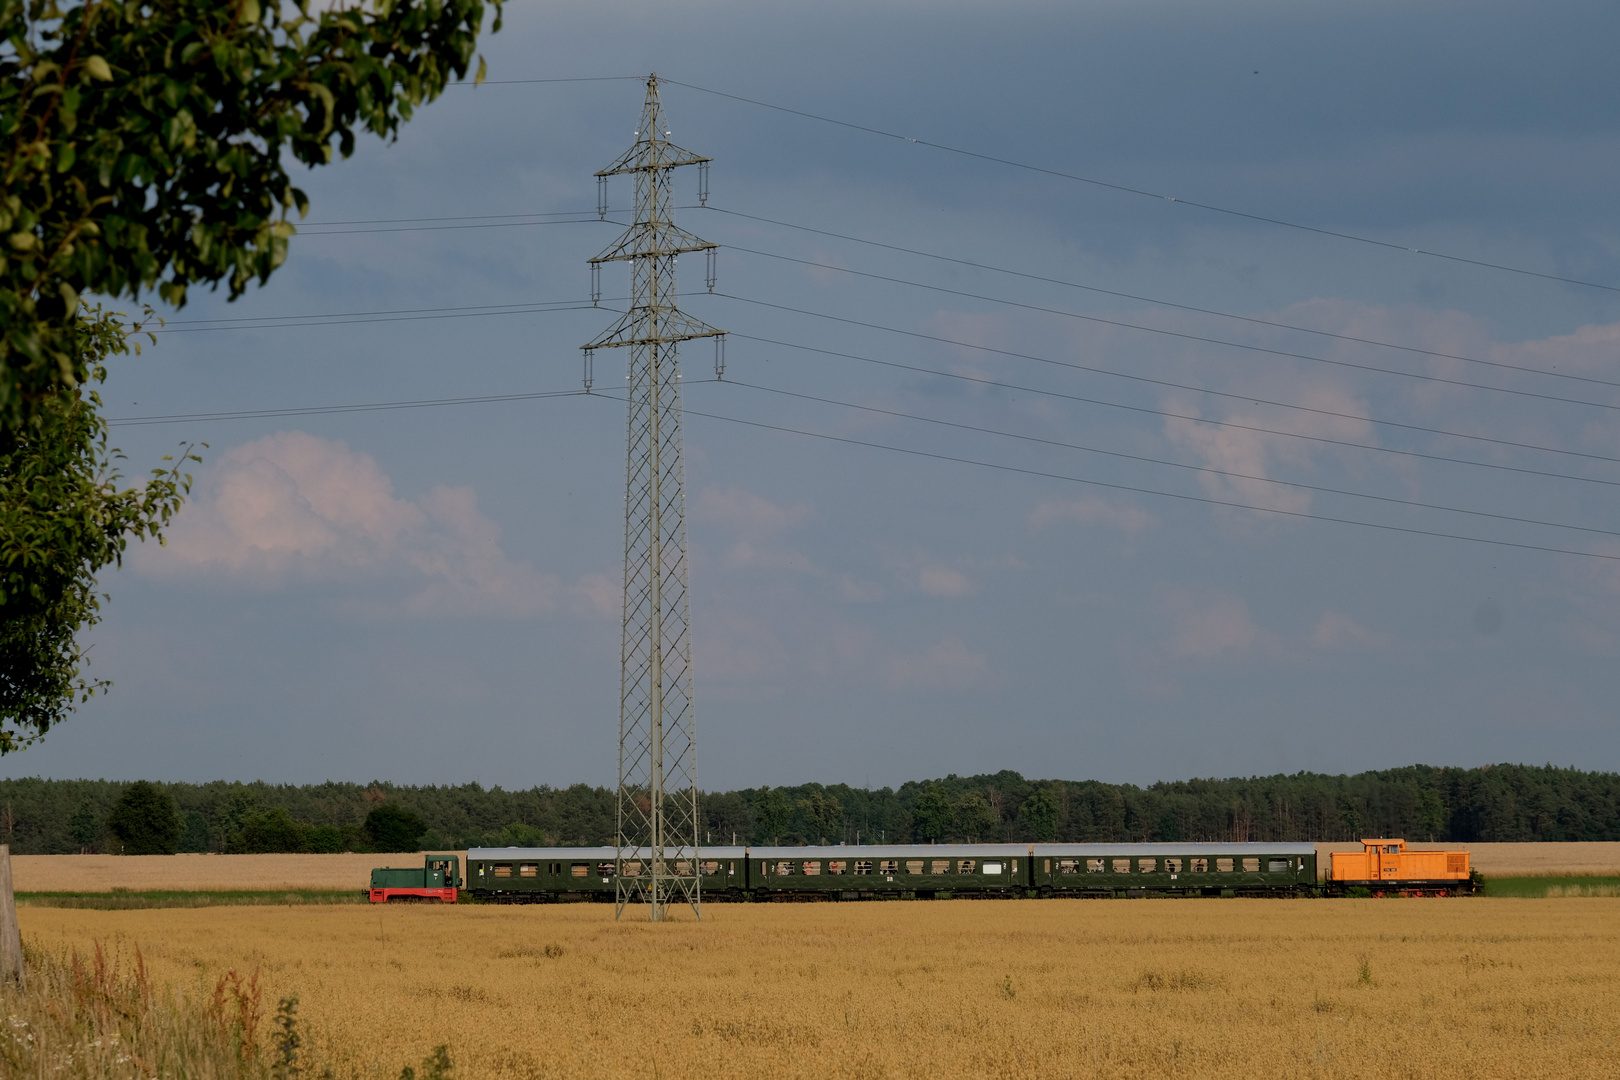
point(103, 1015)
point(1554, 886)
point(121, 899)
point(1043, 990)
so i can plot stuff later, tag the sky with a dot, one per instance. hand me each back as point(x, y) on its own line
point(1117, 427)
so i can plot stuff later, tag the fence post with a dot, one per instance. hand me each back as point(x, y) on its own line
point(11, 958)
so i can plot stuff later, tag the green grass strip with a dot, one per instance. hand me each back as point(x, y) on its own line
point(131, 899)
point(1543, 887)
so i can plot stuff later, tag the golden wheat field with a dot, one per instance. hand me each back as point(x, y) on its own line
point(1477, 988)
point(92, 873)
point(99, 873)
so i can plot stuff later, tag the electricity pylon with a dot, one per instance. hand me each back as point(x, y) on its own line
point(657, 859)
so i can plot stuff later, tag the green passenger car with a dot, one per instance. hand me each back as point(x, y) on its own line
point(868, 872)
point(1174, 869)
point(569, 874)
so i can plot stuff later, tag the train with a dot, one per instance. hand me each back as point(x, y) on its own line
point(516, 875)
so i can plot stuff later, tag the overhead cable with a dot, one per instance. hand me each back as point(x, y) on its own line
point(1181, 496)
point(1183, 335)
point(1200, 469)
point(1156, 382)
point(1129, 190)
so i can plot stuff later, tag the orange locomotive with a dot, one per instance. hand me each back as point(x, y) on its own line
point(1385, 867)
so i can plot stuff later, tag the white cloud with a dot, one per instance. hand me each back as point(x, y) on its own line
point(1092, 510)
point(1205, 623)
point(1337, 631)
point(293, 506)
point(943, 581)
point(947, 664)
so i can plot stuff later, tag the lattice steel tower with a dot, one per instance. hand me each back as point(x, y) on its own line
point(657, 860)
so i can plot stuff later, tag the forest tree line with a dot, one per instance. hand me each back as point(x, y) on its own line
point(1419, 802)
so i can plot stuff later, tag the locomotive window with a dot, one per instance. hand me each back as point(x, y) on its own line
point(1069, 866)
point(1173, 865)
point(863, 866)
point(784, 868)
point(1200, 866)
point(914, 866)
point(992, 868)
point(1094, 866)
point(812, 867)
point(889, 866)
point(1147, 866)
point(580, 869)
point(1223, 866)
point(1122, 866)
point(837, 866)
point(1279, 866)
point(966, 866)
point(529, 869)
point(1251, 866)
point(940, 866)
point(1456, 864)
point(1392, 849)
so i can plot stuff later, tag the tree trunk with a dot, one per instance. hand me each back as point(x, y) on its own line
point(11, 959)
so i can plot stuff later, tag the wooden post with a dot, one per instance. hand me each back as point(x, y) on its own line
point(11, 958)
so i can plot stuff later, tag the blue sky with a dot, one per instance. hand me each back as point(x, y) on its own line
point(430, 594)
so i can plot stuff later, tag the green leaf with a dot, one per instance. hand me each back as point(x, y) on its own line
point(96, 67)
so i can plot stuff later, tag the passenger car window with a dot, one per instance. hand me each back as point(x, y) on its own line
point(914, 866)
point(1251, 866)
point(940, 866)
point(967, 866)
point(1094, 866)
point(812, 867)
point(889, 866)
point(1200, 866)
point(863, 866)
point(1122, 866)
point(1173, 865)
point(1223, 866)
point(836, 866)
point(503, 869)
point(580, 869)
point(1279, 866)
point(529, 870)
point(1147, 866)
point(784, 868)
point(992, 868)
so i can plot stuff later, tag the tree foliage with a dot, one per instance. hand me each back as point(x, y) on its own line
point(64, 515)
point(145, 820)
point(1494, 803)
point(144, 144)
point(393, 828)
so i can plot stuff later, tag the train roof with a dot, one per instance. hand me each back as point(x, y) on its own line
point(562, 854)
point(1175, 848)
point(890, 851)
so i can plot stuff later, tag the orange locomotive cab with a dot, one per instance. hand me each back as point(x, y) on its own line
point(1385, 866)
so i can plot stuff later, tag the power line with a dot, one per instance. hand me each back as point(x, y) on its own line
point(321, 410)
point(1271, 323)
point(1202, 469)
point(1182, 335)
point(1191, 418)
point(359, 318)
point(1151, 491)
point(585, 216)
point(1160, 382)
point(1127, 189)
